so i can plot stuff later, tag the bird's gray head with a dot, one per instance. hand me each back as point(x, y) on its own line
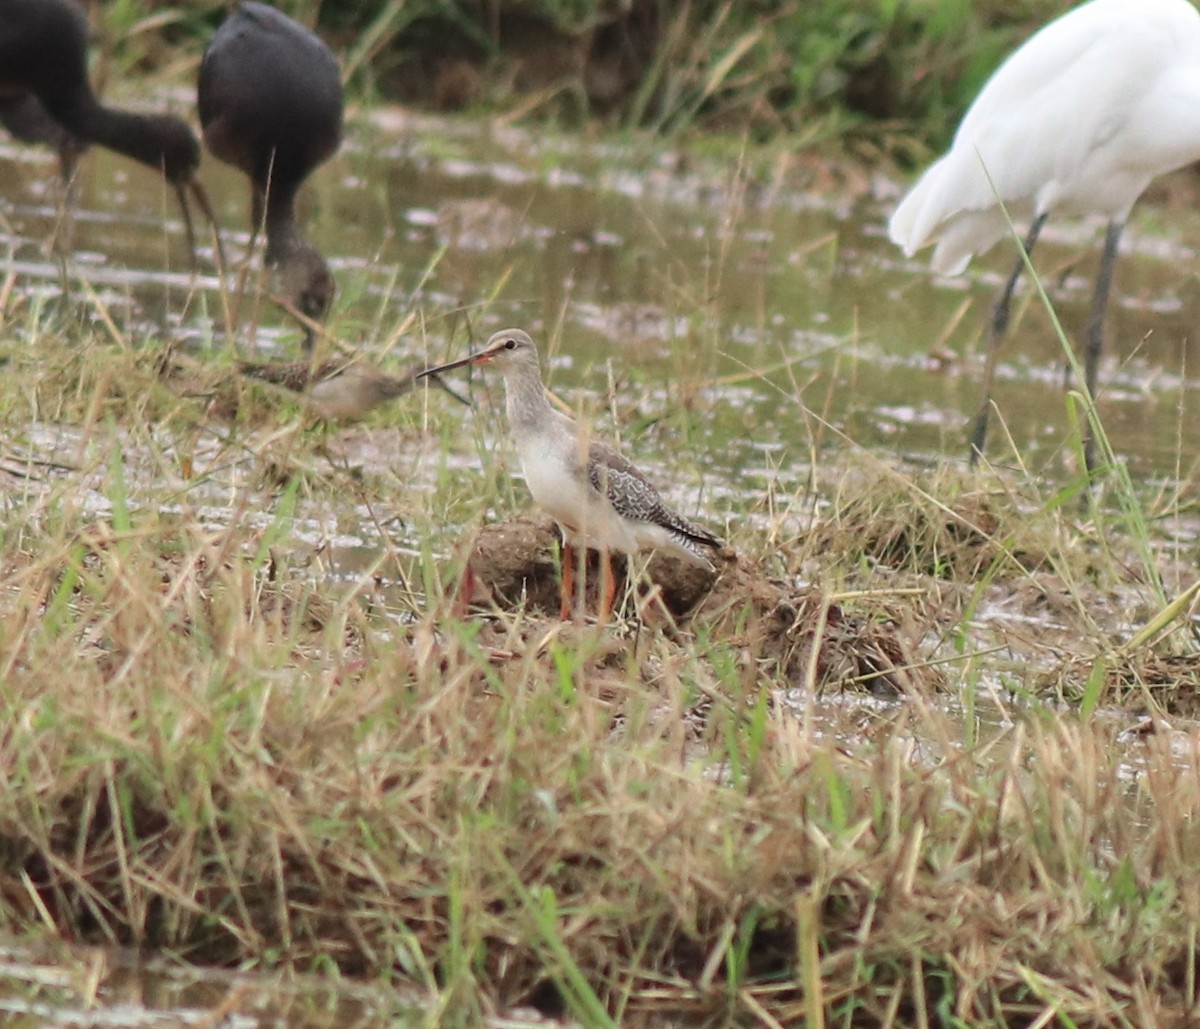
point(508, 348)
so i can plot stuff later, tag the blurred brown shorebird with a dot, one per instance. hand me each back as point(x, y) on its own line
point(337, 390)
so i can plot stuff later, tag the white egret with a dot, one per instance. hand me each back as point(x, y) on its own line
point(1077, 121)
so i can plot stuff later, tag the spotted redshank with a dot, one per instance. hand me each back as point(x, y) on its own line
point(597, 497)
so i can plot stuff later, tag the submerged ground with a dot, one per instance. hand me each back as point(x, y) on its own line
point(921, 755)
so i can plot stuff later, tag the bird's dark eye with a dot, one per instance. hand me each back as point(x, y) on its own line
point(510, 344)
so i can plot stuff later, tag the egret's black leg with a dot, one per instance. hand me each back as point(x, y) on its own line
point(1000, 316)
point(1093, 336)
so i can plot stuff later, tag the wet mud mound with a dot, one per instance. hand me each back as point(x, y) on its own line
point(800, 633)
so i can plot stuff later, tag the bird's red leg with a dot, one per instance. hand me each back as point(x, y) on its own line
point(568, 580)
point(463, 592)
point(608, 585)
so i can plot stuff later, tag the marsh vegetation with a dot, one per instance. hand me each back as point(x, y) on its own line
point(924, 755)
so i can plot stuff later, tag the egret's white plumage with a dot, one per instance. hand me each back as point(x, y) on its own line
point(1077, 121)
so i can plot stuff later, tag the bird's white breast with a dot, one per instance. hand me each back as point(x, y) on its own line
point(557, 479)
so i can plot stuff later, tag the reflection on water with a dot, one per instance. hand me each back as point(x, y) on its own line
point(751, 299)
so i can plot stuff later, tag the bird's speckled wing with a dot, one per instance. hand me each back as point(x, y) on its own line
point(634, 497)
point(293, 375)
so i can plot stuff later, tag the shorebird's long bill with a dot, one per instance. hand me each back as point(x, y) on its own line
point(481, 358)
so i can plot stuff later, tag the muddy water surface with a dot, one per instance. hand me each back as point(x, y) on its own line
point(744, 323)
point(91, 986)
point(759, 300)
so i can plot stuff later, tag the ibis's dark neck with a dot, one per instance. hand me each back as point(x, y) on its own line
point(146, 138)
point(276, 210)
point(284, 238)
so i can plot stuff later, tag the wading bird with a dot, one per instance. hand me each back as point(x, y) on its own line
point(25, 118)
point(44, 84)
point(270, 98)
point(597, 497)
point(1077, 121)
point(339, 389)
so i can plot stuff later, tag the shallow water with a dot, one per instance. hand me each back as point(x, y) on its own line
point(740, 326)
point(98, 988)
point(744, 325)
point(770, 308)
point(57, 984)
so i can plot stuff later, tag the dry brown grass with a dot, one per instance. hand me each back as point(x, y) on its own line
point(216, 748)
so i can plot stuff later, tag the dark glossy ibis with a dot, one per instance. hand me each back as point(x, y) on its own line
point(271, 105)
point(25, 118)
point(45, 97)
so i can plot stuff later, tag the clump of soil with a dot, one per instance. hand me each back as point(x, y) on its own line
point(516, 562)
point(801, 633)
point(1144, 680)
